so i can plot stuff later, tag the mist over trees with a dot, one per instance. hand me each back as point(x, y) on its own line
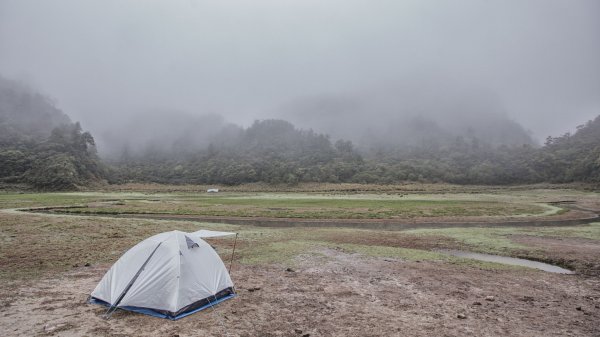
point(162, 131)
point(39, 145)
point(271, 151)
point(399, 117)
point(274, 151)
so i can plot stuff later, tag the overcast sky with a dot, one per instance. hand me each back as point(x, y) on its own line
point(540, 59)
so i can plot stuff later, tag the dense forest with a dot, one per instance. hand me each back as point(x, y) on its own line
point(273, 151)
point(42, 148)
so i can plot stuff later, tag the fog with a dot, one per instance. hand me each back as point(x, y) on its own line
point(353, 69)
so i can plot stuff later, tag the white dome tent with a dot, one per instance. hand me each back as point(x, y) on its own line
point(169, 275)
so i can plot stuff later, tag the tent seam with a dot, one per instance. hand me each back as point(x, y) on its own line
point(178, 274)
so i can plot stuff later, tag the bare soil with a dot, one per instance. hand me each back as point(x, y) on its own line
point(329, 294)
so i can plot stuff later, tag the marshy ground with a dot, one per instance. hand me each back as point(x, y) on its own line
point(319, 280)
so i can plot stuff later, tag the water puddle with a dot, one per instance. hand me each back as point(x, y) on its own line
point(507, 260)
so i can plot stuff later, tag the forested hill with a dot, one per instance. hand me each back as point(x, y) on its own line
point(274, 151)
point(39, 145)
point(271, 151)
point(574, 157)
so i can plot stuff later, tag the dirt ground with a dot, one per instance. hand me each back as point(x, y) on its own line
point(309, 281)
point(330, 293)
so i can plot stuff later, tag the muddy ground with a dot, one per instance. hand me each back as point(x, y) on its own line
point(330, 293)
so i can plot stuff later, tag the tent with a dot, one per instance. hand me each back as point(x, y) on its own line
point(169, 275)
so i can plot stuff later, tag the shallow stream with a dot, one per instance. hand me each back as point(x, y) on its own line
point(508, 260)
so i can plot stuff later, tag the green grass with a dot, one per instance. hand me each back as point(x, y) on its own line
point(277, 252)
point(307, 206)
point(35, 245)
point(484, 240)
point(393, 252)
point(589, 231)
point(32, 245)
point(420, 255)
point(286, 252)
point(15, 200)
point(497, 240)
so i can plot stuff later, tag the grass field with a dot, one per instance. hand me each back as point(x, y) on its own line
point(48, 248)
point(289, 205)
point(104, 239)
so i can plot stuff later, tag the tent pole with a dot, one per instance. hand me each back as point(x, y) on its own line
point(113, 307)
point(233, 252)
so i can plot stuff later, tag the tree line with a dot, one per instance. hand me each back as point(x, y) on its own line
point(273, 151)
point(42, 148)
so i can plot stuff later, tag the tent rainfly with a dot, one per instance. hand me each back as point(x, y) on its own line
point(169, 275)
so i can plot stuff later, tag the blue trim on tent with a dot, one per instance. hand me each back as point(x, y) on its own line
point(151, 312)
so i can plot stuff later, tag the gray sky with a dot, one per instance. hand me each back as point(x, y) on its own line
point(100, 60)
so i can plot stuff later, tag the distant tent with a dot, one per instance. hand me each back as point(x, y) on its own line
point(212, 190)
point(169, 275)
